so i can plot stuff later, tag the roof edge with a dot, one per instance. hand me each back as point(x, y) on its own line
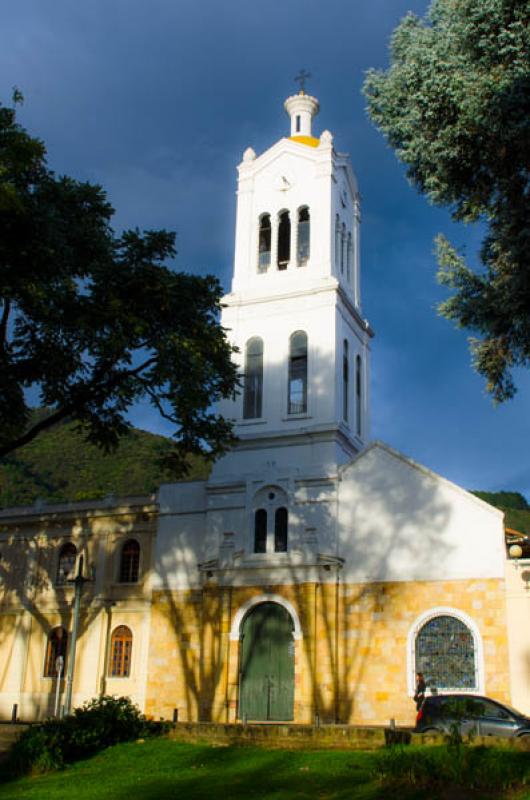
point(425, 470)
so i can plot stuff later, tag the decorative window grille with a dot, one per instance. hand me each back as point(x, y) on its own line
point(304, 225)
point(264, 246)
point(260, 531)
point(66, 564)
point(446, 654)
point(253, 381)
point(120, 652)
point(280, 530)
point(56, 646)
point(297, 399)
point(130, 562)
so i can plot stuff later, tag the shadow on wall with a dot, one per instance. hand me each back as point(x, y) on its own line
point(399, 521)
point(397, 518)
point(38, 602)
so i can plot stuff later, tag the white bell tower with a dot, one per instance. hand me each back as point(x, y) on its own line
point(294, 311)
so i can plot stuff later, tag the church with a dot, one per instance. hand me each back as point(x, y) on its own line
point(315, 571)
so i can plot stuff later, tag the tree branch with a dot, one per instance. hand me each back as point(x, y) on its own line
point(3, 324)
point(70, 408)
point(43, 425)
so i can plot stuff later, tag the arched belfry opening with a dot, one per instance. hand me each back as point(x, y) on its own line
point(284, 240)
point(266, 682)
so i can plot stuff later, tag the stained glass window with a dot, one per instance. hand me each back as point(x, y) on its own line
point(120, 652)
point(445, 653)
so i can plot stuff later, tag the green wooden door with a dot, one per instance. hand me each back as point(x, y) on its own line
point(267, 664)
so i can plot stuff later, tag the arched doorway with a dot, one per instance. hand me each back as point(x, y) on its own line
point(267, 664)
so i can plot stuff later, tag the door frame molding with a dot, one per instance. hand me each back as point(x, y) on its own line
point(243, 610)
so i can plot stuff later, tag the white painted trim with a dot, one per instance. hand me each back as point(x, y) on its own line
point(411, 650)
point(264, 598)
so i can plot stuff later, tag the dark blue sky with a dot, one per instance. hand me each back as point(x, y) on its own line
point(158, 100)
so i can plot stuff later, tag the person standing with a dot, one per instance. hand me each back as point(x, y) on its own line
point(419, 694)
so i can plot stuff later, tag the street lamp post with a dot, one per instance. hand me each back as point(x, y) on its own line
point(59, 664)
point(79, 581)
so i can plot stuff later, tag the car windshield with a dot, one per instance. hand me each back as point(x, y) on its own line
point(513, 710)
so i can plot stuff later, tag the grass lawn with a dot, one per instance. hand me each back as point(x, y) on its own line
point(160, 769)
point(163, 769)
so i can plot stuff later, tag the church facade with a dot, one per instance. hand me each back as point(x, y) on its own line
point(315, 572)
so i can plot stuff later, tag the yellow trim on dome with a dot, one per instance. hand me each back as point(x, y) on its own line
point(310, 141)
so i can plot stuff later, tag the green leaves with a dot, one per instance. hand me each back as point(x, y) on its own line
point(455, 106)
point(93, 322)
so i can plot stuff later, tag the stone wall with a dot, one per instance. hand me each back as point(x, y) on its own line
point(352, 662)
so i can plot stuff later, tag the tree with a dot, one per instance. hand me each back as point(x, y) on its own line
point(455, 106)
point(92, 322)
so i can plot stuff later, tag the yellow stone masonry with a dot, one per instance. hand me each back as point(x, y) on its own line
point(350, 664)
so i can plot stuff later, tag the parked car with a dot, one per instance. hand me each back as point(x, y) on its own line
point(473, 714)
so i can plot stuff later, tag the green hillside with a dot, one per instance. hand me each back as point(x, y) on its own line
point(60, 466)
point(513, 504)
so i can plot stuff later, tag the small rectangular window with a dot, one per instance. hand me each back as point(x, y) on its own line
point(298, 123)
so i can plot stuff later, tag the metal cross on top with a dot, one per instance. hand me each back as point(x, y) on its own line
point(301, 79)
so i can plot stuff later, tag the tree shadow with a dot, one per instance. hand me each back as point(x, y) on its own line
point(346, 573)
point(31, 539)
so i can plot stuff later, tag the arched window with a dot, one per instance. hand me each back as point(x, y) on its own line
point(264, 245)
point(260, 531)
point(297, 399)
point(66, 563)
point(280, 530)
point(56, 646)
point(284, 240)
point(120, 652)
point(343, 248)
point(358, 394)
point(130, 562)
point(349, 258)
point(253, 381)
point(337, 242)
point(304, 225)
point(270, 520)
point(445, 653)
point(345, 381)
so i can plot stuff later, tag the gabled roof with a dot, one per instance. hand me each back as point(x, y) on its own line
point(378, 445)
